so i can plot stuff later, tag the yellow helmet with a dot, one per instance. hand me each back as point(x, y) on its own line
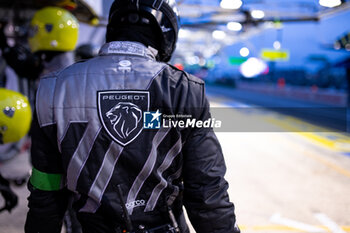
point(15, 116)
point(53, 29)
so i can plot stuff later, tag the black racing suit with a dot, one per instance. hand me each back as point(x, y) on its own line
point(96, 132)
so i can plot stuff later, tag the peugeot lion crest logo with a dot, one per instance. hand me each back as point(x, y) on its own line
point(121, 113)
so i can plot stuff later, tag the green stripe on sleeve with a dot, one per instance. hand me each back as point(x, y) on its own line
point(45, 181)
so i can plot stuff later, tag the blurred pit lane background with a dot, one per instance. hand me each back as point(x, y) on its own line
point(278, 77)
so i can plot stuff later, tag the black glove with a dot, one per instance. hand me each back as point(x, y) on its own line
point(22, 61)
point(10, 197)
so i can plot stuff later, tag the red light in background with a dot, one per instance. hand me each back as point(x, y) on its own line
point(179, 66)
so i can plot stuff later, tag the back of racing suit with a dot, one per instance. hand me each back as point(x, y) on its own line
point(107, 125)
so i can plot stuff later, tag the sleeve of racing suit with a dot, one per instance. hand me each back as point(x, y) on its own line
point(48, 200)
point(205, 189)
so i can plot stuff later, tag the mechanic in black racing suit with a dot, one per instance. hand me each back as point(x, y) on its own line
point(98, 137)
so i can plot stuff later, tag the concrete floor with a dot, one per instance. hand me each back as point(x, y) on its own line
point(283, 180)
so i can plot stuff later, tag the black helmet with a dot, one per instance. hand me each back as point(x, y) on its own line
point(159, 14)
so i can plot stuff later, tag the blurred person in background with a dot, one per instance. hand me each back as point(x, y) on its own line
point(52, 37)
point(15, 120)
point(88, 139)
point(10, 81)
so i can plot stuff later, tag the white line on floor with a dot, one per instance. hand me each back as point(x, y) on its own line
point(332, 226)
point(277, 218)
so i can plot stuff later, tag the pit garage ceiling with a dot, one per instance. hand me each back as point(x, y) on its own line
point(208, 26)
point(196, 14)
